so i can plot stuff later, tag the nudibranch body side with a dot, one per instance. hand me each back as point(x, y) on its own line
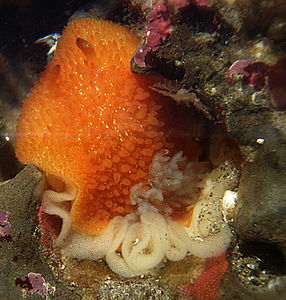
point(121, 166)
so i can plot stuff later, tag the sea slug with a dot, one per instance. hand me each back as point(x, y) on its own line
point(123, 173)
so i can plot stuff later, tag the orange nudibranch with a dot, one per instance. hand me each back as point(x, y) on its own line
point(91, 121)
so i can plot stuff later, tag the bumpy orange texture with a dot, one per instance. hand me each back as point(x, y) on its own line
point(91, 121)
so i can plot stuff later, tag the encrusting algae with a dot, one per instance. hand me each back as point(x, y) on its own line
point(122, 169)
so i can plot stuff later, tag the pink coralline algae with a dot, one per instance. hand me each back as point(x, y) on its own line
point(38, 283)
point(206, 286)
point(4, 224)
point(201, 3)
point(159, 24)
point(258, 75)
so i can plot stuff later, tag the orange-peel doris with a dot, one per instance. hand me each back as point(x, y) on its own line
point(122, 151)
